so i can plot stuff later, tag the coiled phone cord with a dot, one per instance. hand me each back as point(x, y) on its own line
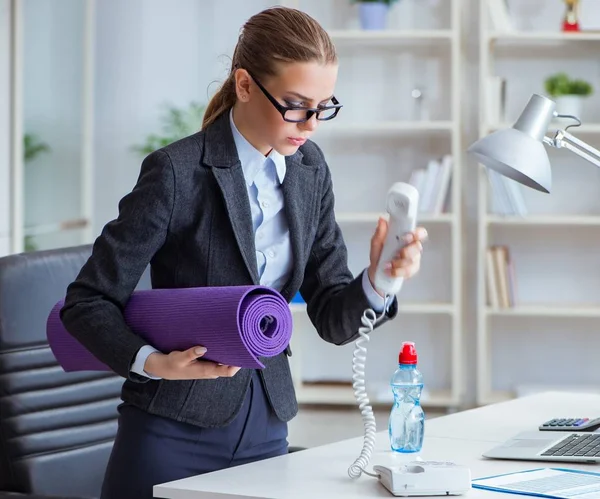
point(369, 320)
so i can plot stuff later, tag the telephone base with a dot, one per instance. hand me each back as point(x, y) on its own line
point(425, 478)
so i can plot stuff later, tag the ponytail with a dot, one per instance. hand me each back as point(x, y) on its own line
point(221, 102)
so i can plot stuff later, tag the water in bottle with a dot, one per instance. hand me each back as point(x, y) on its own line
point(407, 420)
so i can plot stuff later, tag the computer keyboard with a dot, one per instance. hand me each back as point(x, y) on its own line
point(587, 445)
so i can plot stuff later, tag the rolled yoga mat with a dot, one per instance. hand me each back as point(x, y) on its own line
point(236, 324)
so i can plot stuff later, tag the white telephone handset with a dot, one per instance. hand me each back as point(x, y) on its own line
point(416, 479)
point(402, 203)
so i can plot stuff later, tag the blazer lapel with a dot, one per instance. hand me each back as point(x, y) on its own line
point(220, 153)
point(299, 192)
point(233, 186)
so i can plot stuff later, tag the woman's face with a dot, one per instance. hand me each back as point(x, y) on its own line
point(304, 85)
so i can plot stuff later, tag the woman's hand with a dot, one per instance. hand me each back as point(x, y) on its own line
point(406, 263)
point(185, 365)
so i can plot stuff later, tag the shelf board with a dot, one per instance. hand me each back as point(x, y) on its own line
point(544, 36)
point(406, 308)
point(54, 228)
point(343, 394)
point(546, 310)
point(585, 128)
point(544, 220)
point(385, 128)
point(389, 37)
point(348, 217)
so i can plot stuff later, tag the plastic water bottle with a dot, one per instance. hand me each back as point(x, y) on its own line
point(407, 419)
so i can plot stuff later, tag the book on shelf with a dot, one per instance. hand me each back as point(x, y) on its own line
point(500, 277)
point(507, 196)
point(496, 99)
point(433, 184)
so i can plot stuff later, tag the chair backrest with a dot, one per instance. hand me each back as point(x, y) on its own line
point(56, 428)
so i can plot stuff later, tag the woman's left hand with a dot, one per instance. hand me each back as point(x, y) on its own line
point(407, 262)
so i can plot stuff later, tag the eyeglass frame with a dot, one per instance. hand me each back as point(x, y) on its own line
point(310, 111)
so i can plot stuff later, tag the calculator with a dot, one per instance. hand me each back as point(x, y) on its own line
point(571, 424)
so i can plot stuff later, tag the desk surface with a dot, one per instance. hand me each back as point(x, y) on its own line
point(322, 472)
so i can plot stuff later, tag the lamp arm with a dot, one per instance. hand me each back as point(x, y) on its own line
point(565, 139)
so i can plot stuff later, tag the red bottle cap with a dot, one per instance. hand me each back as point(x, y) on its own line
point(408, 354)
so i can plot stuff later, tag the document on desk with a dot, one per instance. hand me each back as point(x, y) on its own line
point(553, 483)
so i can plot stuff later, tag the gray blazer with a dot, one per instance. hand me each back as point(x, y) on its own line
point(189, 217)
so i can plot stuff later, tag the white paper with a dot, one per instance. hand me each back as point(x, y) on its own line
point(547, 482)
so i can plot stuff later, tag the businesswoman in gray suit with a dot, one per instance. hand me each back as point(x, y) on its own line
point(247, 200)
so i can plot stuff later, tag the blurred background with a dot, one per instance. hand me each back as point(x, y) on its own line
point(510, 277)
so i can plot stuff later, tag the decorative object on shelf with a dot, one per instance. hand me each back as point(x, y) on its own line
point(177, 124)
point(571, 19)
point(420, 112)
point(567, 93)
point(373, 13)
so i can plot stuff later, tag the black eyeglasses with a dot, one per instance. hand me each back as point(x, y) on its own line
point(295, 114)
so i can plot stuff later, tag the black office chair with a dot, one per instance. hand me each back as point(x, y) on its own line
point(56, 428)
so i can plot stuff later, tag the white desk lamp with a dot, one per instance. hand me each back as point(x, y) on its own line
point(519, 153)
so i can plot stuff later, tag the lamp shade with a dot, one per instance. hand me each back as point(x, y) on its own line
point(518, 152)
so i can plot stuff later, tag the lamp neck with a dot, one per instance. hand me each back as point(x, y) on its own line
point(536, 117)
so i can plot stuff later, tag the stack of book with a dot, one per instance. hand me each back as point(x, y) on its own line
point(507, 196)
point(500, 277)
point(433, 184)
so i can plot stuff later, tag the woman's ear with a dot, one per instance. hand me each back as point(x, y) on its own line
point(242, 84)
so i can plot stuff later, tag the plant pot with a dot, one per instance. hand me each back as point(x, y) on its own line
point(569, 104)
point(373, 15)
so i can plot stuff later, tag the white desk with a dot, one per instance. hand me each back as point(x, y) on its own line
point(321, 472)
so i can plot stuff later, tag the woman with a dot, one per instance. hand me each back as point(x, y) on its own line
point(247, 200)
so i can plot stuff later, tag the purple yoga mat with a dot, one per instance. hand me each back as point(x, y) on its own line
point(237, 324)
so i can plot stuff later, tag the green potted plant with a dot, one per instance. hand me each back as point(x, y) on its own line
point(177, 123)
point(373, 13)
point(32, 147)
point(567, 93)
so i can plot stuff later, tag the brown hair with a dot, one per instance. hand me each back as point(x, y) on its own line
point(277, 34)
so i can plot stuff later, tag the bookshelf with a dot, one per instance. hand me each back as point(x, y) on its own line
point(399, 142)
point(5, 128)
point(564, 224)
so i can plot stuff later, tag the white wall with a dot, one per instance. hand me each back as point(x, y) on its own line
point(4, 126)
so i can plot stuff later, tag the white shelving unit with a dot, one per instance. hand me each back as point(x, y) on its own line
point(5, 125)
point(52, 200)
point(393, 133)
point(542, 36)
point(525, 316)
